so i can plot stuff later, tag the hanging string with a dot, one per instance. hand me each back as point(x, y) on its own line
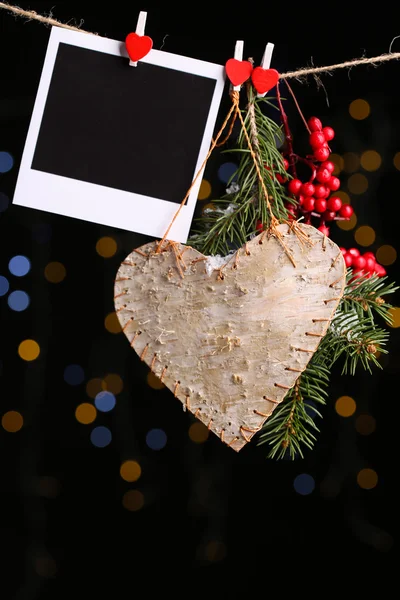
point(298, 74)
point(235, 105)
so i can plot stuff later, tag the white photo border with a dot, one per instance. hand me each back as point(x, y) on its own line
point(99, 204)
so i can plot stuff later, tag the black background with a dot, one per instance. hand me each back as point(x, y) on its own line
point(122, 128)
point(271, 539)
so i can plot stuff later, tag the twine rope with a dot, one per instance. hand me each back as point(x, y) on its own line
point(298, 74)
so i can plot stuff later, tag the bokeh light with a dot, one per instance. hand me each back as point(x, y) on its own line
point(365, 235)
point(29, 350)
point(371, 160)
point(348, 224)
point(112, 324)
point(113, 383)
point(130, 470)
point(367, 479)
point(304, 484)
point(41, 233)
point(345, 198)
point(12, 421)
point(18, 300)
point(338, 162)
point(106, 247)
point(45, 566)
point(133, 500)
point(55, 272)
point(365, 424)
point(48, 487)
point(6, 162)
point(205, 190)
point(396, 160)
point(198, 433)
point(359, 109)
point(154, 381)
point(357, 183)
point(19, 266)
point(394, 313)
point(101, 437)
point(345, 406)
point(215, 551)
point(4, 285)
point(351, 162)
point(226, 171)
point(105, 401)
point(74, 374)
point(156, 439)
point(85, 413)
point(4, 202)
point(386, 255)
point(94, 387)
point(207, 207)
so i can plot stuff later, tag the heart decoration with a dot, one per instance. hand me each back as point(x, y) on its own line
point(138, 46)
point(264, 79)
point(229, 343)
point(238, 71)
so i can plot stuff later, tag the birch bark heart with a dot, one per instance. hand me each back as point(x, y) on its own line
point(229, 344)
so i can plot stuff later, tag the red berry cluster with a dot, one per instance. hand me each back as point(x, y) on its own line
point(362, 264)
point(313, 195)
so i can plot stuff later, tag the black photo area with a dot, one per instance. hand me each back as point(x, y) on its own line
point(137, 129)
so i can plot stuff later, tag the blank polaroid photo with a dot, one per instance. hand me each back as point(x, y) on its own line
point(116, 144)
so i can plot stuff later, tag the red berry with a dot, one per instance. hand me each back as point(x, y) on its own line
point(379, 270)
point(334, 203)
point(323, 175)
point(280, 178)
point(317, 139)
point(329, 133)
point(314, 124)
point(346, 211)
point(327, 192)
point(308, 204)
point(328, 164)
point(322, 153)
point(286, 163)
point(259, 226)
point(329, 215)
point(300, 199)
point(320, 191)
point(370, 263)
point(348, 259)
point(323, 229)
point(359, 262)
point(333, 183)
point(354, 252)
point(294, 186)
point(369, 255)
point(320, 205)
point(307, 189)
point(343, 250)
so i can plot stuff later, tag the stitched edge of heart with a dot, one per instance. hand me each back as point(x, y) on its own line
point(164, 372)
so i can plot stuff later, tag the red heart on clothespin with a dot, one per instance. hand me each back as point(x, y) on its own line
point(264, 79)
point(238, 71)
point(138, 46)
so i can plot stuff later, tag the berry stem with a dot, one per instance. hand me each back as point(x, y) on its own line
point(288, 133)
point(297, 106)
point(310, 164)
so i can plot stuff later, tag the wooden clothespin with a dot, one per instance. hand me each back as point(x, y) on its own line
point(237, 69)
point(138, 44)
point(266, 62)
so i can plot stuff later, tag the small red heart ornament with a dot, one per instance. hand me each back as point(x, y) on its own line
point(264, 79)
point(238, 71)
point(138, 46)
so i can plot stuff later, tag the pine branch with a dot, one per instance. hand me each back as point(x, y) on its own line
point(366, 295)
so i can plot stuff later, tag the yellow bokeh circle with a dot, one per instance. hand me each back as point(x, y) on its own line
point(85, 413)
point(357, 183)
point(351, 162)
point(359, 109)
point(112, 324)
point(395, 316)
point(367, 479)
point(365, 424)
point(386, 255)
point(345, 198)
point(371, 160)
point(106, 247)
point(29, 350)
point(55, 272)
point(198, 433)
point(396, 160)
point(205, 190)
point(348, 225)
point(365, 235)
point(130, 470)
point(113, 383)
point(94, 386)
point(338, 162)
point(133, 500)
point(154, 382)
point(345, 406)
point(12, 421)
